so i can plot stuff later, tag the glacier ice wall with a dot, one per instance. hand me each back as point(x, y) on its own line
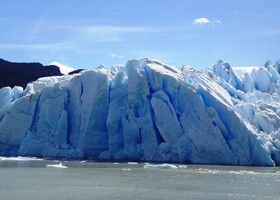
point(147, 110)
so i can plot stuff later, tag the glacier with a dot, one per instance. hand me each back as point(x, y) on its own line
point(147, 111)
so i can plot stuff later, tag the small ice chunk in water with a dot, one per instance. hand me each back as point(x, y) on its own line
point(132, 163)
point(56, 166)
point(183, 166)
point(161, 166)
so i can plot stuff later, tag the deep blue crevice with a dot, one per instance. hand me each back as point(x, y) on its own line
point(34, 118)
point(2, 116)
point(251, 148)
point(82, 92)
point(172, 102)
point(36, 114)
point(140, 136)
point(188, 78)
point(107, 114)
point(159, 137)
point(148, 81)
point(201, 97)
point(227, 141)
point(69, 127)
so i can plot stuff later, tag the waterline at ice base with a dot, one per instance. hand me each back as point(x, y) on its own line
point(147, 111)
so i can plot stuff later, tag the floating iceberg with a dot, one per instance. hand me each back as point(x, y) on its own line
point(147, 111)
point(160, 166)
point(60, 166)
point(132, 163)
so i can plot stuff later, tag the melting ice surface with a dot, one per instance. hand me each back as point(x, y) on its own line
point(147, 111)
point(97, 180)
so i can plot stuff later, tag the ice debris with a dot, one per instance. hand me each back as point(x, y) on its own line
point(19, 158)
point(60, 166)
point(160, 166)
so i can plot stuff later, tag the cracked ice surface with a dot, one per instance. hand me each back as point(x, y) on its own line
point(147, 110)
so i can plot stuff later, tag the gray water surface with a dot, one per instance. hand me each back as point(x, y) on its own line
point(95, 180)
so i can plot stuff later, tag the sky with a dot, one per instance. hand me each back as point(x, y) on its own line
point(88, 33)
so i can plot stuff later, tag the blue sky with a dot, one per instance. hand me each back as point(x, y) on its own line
point(87, 33)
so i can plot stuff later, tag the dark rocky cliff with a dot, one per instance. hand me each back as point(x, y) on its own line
point(19, 74)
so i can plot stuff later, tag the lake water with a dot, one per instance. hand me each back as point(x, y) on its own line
point(30, 179)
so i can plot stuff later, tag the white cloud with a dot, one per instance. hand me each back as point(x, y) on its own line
point(115, 56)
point(200, 21)
point(205, 21)
point(217, 22)
point(64, 69)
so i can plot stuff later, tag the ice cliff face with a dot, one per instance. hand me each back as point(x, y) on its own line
point(147, 110)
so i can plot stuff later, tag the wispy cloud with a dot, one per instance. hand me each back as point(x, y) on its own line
point(187, 36)
point(44, 36)
point(216, 22)
point(205, 21)
point(272, 32)
point(95, 33)
point(121, 29)
point(54, 46)
point(54, 39)
point(264, 33)
point(115, 33)
point(233, 13)
point(116, 56)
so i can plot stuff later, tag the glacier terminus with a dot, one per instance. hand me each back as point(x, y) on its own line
point(147, 111)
